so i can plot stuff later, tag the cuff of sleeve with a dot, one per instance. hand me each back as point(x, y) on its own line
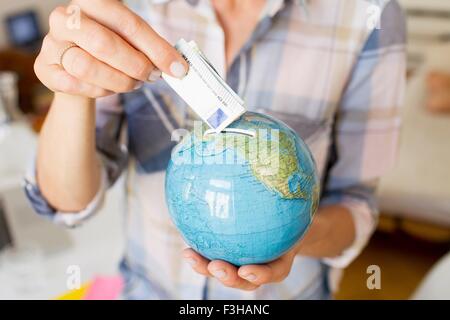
point(364, 221)
point(67, 219)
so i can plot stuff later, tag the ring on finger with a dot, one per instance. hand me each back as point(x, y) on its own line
point(64, 51)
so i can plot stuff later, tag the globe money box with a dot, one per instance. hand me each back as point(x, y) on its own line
point(246, 195)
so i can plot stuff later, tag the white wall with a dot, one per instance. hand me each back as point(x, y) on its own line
point(427, 4)
point(43, 7)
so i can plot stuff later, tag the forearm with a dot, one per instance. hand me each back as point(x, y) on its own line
point(331, 232)
point(68, 171)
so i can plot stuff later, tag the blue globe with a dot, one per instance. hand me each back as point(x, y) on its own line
point(246, 195)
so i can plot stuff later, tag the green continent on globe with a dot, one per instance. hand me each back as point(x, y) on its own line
point(271, 154)
point(277, 179)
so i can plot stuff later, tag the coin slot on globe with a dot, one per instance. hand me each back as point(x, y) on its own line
point(246, 195)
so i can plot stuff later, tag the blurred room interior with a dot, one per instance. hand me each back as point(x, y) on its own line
point(414, 228)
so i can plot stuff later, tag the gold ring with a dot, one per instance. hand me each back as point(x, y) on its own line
point(61, 56)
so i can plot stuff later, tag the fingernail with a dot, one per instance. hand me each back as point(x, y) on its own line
point(250, 277)
point(178, 70)
point(154, 75)
point(191, 261)
point(138, 85)
point(219, 274)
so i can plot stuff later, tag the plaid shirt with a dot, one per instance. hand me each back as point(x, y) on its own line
point(320, 66)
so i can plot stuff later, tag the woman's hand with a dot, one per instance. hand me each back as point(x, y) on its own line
point(330, 233)
point(248, 277)
point(112, 50)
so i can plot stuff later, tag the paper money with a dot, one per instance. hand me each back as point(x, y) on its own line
point(204, 90)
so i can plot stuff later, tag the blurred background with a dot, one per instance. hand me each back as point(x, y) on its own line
point(411, 245)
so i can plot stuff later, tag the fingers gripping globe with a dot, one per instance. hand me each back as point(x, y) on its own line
point(245, 195)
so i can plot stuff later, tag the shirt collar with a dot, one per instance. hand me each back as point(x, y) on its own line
point(273, 6)
point(191, 2)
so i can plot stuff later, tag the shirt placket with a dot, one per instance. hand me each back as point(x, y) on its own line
point(238, 74)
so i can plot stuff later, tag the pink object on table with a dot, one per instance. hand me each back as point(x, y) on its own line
point(105, 288)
